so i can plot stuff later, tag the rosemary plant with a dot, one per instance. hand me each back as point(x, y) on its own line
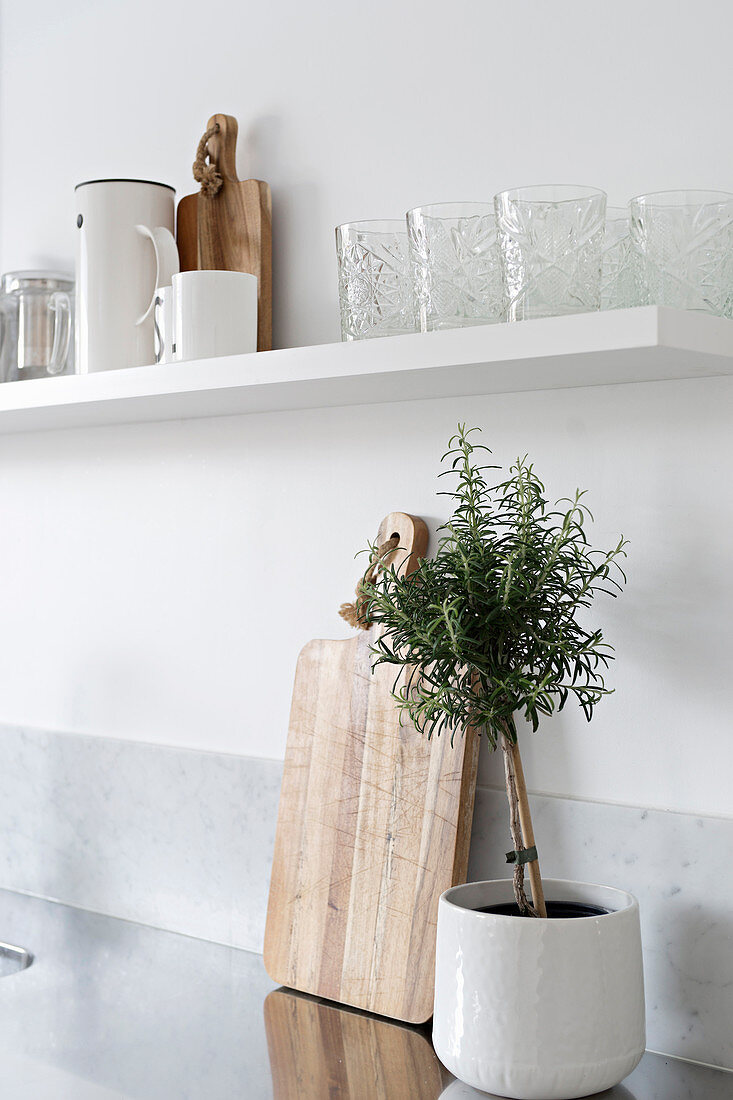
point(494, 624)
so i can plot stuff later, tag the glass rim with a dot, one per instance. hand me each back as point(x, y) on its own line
point(682, 197)
point(35, 275)
point(444, 206)
point(540, 192)
point(374, 225)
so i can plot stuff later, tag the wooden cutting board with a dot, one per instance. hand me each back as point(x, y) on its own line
point(319, 1050)
point(232, 230)
point(373, 825)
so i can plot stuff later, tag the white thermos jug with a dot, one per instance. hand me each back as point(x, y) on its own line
point(125, 250)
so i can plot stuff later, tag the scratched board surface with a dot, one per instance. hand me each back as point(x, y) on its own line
point(374, 824)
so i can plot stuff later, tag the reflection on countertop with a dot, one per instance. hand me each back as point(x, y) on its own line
point(318, 1049)
point(112, 1010)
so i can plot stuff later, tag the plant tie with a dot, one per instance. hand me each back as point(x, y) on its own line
point(523, 855)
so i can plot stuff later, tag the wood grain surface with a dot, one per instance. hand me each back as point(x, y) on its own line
point(232, 230)
point(319, 1050)
point(187, 233)
point(373, 825)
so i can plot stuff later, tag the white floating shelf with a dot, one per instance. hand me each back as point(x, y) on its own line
point(590, 349)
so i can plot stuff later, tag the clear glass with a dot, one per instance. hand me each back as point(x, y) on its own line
point(619, 276)
point(36, 324)
point(550, 244)
point(683, 241)
point(376, 295)
point(455, 265)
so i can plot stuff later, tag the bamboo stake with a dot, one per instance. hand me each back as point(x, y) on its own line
point(525, 817)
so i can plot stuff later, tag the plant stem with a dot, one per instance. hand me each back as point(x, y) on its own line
point(521, 829)
point(533, 868)
point(515, 827)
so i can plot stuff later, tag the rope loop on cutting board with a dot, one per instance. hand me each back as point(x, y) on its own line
point(206, 173)
point(355, 613)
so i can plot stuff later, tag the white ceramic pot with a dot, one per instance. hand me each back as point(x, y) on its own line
point(538, 1009)
point(457, 1090)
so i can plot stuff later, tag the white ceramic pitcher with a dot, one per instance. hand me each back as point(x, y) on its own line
point(125, 249)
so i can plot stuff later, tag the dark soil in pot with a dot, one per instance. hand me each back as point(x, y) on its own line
point(556, 910)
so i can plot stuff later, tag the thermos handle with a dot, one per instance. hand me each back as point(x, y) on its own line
point(166, 261)
point(60, 304)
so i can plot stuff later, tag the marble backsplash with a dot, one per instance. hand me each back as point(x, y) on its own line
point(173, 838)
point(182, 840)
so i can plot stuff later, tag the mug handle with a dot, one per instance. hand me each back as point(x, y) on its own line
point(158, 336)
point(60, 304)
point(167, 263)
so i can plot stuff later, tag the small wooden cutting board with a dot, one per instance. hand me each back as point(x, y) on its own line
point(232, 230)
point(374, 824)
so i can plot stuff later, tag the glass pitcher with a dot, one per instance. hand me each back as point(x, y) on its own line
point(36, 323)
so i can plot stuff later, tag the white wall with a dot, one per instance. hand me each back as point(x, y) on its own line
point(158, 580)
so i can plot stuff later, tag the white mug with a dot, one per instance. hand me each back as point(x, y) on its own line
point(215, 313)
point(125, 250)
